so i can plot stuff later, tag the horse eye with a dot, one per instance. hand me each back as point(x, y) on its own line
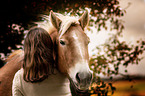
point(62, 42)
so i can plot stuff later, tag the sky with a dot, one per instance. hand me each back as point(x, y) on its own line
point(134, 21)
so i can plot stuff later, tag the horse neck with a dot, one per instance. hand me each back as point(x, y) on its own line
point(13, 64)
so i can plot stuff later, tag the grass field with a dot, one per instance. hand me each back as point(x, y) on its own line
point(128, 88)
point(133, 88)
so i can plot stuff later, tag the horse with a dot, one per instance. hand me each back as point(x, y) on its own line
point(8, 71)
point(70, 54)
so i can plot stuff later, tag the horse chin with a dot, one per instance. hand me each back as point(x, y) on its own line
point(76, 87)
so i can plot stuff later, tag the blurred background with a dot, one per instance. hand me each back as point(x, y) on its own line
point(134, 23)
point(116, 31)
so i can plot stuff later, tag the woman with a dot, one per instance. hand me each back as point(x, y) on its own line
point(39, 77)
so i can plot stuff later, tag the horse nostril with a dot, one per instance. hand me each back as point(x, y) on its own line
point(78, 77)
point(90, 76)
point(83, 77)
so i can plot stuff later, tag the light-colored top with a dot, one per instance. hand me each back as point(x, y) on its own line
point(54, 85)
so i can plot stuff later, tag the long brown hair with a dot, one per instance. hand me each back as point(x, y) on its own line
point(38, 55)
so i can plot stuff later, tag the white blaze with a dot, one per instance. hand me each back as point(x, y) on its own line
point(78, 45)
point(82, 64)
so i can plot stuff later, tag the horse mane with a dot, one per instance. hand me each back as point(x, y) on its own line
point(14, 55)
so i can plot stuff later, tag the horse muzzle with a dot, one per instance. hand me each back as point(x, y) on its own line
point(83, 80)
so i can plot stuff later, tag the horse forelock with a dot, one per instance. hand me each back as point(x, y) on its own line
point(67, 21)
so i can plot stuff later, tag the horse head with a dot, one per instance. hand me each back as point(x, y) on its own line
point(72, 49)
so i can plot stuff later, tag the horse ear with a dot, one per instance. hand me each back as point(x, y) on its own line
point(55, 20)
point(84, 19)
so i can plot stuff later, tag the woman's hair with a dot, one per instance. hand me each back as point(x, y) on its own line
point(38, 55)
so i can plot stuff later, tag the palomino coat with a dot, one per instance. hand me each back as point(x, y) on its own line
point(55, 85)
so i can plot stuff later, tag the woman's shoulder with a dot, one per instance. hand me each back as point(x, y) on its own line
point(18, 76)
point(16, 85)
